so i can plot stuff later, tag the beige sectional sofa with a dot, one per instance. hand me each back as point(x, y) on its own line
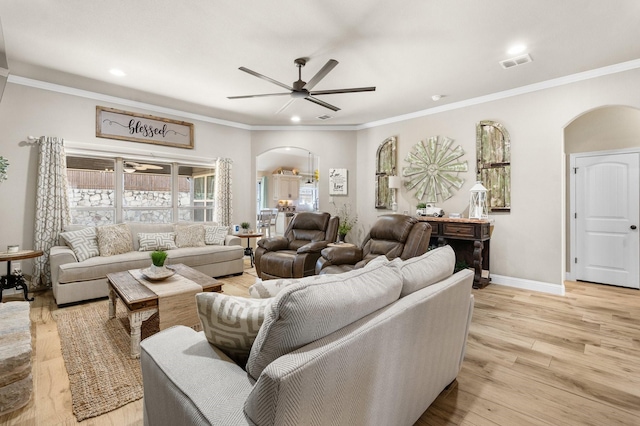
point(373, 346)
point(75, 280)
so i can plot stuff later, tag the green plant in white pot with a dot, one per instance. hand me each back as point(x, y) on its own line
point(157, 261)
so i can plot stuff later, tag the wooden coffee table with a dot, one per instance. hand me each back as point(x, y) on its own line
point(141, 302)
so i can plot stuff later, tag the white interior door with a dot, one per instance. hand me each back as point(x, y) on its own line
point(607, 209)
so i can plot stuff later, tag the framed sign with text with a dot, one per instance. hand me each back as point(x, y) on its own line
point(130, 126)
point(338, 182)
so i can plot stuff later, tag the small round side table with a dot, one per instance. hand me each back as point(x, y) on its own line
point(12, 280)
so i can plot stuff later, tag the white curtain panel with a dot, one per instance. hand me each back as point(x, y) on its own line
point(52, 204)
point(223, 194)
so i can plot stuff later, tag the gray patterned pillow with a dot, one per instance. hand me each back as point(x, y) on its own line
point(319, 305)
point(157, 241)
point(83, 242)
point(189, 235)
point(114, 239)
point(215, 235)
point(231, 323)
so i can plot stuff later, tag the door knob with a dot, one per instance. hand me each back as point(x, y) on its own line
point(633, 227)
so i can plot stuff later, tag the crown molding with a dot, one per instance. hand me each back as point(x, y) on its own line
point(548, 84)
point(38, 84)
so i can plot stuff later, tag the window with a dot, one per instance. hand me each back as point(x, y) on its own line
point(138, 191)
point(91, 190)
point(200, 184)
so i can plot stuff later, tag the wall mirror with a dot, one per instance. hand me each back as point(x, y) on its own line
point(493, 153)
point(385, 167)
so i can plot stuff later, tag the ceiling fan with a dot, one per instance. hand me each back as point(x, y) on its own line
point(302, 89)
point(131, 166)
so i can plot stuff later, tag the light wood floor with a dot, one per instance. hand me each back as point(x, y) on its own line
point(532, 359)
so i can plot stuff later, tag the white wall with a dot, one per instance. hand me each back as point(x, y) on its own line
point(332, 148)
point(28, 111)
point(527, 243)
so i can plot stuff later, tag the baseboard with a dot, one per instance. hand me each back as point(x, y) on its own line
point(528, 284)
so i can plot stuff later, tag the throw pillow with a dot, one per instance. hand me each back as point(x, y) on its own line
point(189, 235)
point(157, 241)
point(114, 239)
point(319, 305)
point(429, 268)
point(215, 235)
point(231, 323)
point(270, 288)
point(83, 242)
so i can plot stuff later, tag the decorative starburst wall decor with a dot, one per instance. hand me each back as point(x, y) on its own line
point(434, 169)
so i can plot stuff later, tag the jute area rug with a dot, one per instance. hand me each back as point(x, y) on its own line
point(96, 352)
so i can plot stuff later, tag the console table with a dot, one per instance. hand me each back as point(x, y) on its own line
point(469, 238)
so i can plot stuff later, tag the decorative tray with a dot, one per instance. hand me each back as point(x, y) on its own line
point(153, 276)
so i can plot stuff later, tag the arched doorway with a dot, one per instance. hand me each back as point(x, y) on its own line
point(286, 182)
point(601, 141)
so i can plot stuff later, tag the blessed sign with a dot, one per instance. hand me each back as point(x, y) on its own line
point(128, 126)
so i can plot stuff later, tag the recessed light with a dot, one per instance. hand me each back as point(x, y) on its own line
point(295, 119)
point(117, 72)
point(436, 97)
point(518, 48)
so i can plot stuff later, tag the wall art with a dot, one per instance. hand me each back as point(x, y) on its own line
point(130, 126)
point(338, 184)
point(493, 167)
point(434, 169)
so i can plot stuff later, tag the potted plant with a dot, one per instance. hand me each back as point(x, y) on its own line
point(421, 209)
point(347, 221)
point(245, 227)
point(157, 259)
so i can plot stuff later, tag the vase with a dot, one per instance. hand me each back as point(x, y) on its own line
point(157, 269)
point(341, 238)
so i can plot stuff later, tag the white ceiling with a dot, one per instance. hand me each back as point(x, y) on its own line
point(185, 55)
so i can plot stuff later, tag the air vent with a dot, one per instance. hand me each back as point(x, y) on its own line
point(324, 117)
point(518, 60)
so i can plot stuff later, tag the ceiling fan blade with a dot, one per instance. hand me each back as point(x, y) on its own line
point(331, 64)
point(150, 167)
point(353, 90)
point(321, 103)
point(285, 106)
point(264, 77)
point(258, 96)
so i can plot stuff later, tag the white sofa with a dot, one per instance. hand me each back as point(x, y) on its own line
point(374, 346)
point(75, 281)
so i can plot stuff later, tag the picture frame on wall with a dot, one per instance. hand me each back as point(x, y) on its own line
point(338, 182)
point(113, 123)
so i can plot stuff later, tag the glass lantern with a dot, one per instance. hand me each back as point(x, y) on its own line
point(478, 202)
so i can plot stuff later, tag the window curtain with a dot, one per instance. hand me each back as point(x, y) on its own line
point(52, 204)
point(223, 194)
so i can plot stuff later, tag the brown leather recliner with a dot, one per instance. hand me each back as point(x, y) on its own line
point(294, 255)
point(393, 235)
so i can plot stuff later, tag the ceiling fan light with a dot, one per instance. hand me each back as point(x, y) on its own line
point(129, 169)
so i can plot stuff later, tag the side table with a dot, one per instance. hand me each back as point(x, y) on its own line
point(469, 238)
point(249, 251)
point(340, 245)
point(12, 280)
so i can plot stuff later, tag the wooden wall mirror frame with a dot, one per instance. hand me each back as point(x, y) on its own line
point(385, 167)
point(493, 155)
